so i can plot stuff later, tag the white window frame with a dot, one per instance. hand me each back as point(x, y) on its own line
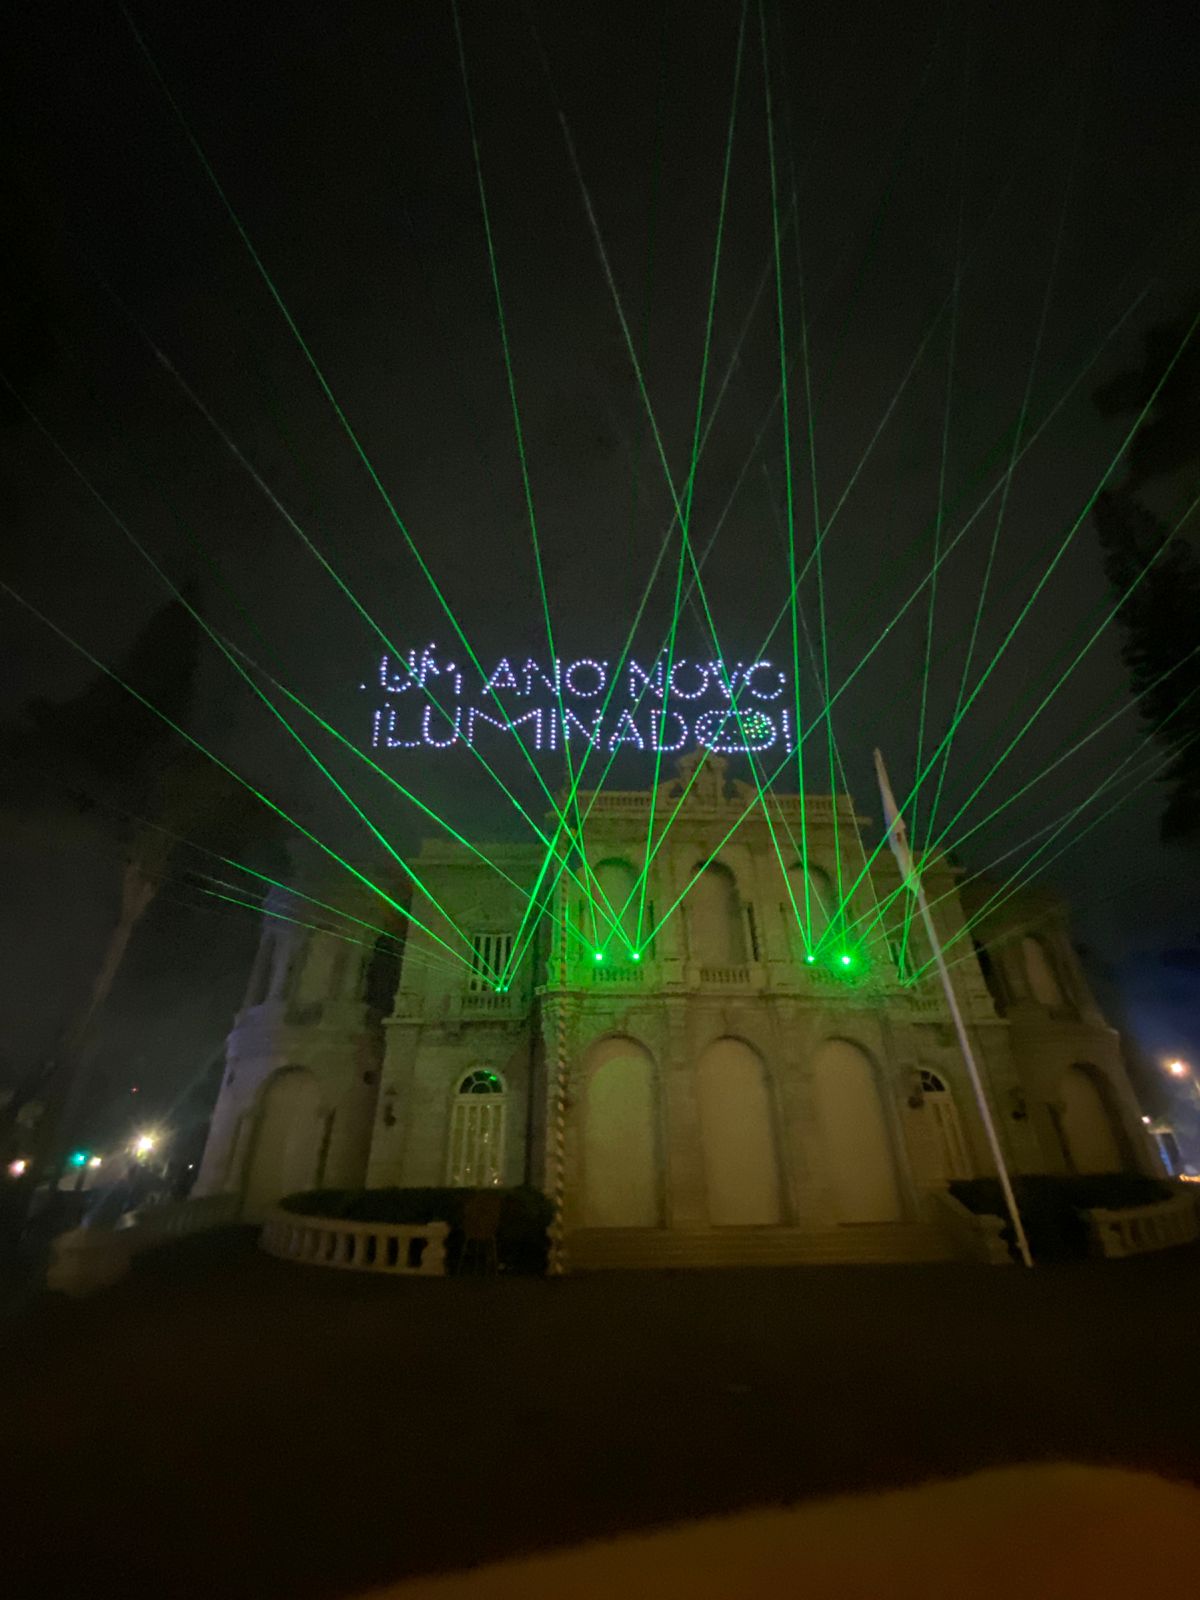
point(489, 957)
point(478, 1130)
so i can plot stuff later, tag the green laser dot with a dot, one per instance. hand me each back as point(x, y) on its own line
point(598, 955)
point(846, 960)
point(635, 955)
point(809, 960)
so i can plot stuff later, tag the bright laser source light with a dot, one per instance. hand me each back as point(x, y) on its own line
point(810, 960)
point(635, 955)
point(597, 955)
point(846, 959)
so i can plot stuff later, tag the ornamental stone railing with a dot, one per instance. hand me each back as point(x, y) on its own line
point(179, 1218)
point(416, 1249)
point(1136, 1230)
point(733, 977)
point(973, 1236)
point(83, 1260)
point(618, 975)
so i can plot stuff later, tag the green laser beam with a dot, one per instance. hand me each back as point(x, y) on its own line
point(322, 381)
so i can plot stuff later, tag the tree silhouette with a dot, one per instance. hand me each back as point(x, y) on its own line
point(102, 767)
point(1162, 632)
point(1169, 441)
point(1160, 618)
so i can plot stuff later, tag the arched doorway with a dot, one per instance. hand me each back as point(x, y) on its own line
point(857, 1145)
point(287, 1140)
point(935, 1137)
point(1088, 1132)
point(715, 919)
point(620, 1146)
point(478, 1118)
point(737, 1132)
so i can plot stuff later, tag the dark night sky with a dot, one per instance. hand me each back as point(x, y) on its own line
point(340, 135)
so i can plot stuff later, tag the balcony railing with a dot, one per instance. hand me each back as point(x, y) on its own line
point(737, 977)
point(617, 976)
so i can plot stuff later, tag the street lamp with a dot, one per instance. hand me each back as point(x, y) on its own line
point(144, 1144)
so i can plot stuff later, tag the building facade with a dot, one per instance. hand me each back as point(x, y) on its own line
point(710, 1070)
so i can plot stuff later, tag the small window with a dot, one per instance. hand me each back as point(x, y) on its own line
point(489, 958)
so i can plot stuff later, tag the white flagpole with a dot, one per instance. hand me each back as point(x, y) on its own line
point(898, 839)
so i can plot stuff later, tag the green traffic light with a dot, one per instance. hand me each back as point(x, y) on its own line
point(79, 1158)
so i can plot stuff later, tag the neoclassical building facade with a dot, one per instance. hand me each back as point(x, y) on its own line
point(731, 1091)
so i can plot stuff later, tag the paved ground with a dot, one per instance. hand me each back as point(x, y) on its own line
point(227, 1425)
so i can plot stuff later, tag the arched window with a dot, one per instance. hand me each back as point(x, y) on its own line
point(715, 915)
point(1039, 969)
point(618, 883)
point(813, 901)
point(477, 1125)
point(382, 974)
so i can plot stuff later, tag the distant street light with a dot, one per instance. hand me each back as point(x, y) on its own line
point(18, 1168)
point(144, 1144)
point(1181, 1070)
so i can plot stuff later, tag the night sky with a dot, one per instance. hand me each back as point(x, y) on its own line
point(1042, 157)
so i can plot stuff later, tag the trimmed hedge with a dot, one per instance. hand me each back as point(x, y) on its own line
point(521, 1240)
point(1050, 1206)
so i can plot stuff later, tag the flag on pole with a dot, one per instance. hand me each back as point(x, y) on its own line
point(897, 835)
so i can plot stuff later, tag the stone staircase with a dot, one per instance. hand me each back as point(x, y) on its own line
point(601, 1249)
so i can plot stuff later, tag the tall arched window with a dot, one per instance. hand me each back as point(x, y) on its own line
point(382, 974)
point(813, 901)
point(1043, 980)
point(477, 1126)
point(618, 883)
point(715, 916)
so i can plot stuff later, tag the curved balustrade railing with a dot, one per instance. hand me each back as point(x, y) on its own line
point(416, 1249)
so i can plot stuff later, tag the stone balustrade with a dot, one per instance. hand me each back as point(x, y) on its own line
point(400, 1249)
point(83, 1260)
point(735, 977)
point(177, 1219)
point(617, 975)
point(1138, 1229)
point(972, 1236)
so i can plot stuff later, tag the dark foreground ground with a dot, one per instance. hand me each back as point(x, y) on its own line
point(225, 1425)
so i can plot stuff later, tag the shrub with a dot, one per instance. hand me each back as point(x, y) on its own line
point(1050, 1205)
point(521, 1241)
